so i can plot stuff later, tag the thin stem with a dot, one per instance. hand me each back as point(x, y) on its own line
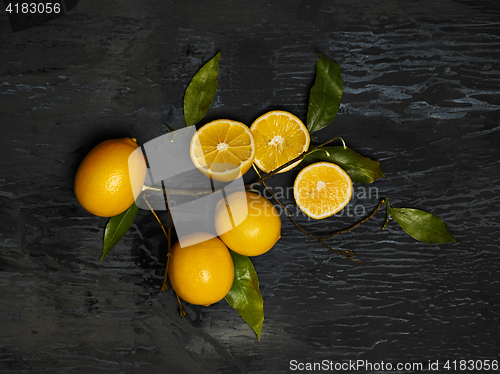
point(347, 254)
point(167, 235)
point(356, 224)
point(176, 191)
point(164, 286)
point(169, 254)
point(156, 216)
point(182, 312)
point(169, 128)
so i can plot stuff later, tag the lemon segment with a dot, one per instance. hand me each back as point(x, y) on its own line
point(279, 138)
point(322, 189)
point(223, 149)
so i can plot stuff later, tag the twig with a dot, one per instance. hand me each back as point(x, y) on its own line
point(176, 191)
point(356, 224)
point(347, 254)
point(164, 286)
point(167, 235)
point(156, 216)
point(182, 312)
point(169, 254)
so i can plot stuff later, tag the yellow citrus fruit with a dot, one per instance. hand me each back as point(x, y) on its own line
point(223, 149)
point(109, 175)
point(247, 223)
point(322, 189)
point(279, 137)
point(201, 272)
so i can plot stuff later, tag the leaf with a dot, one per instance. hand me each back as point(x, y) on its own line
point(325, 94)
point(361, 169)
point(201, 91)
point(116, 227)
point(244, 295)
point(421, 225)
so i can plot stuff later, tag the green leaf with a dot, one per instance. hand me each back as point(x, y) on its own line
point(421, 225)
point(201, 91)
point(361, 169)
point(116, 227)
point(244, 295)
point(325, 94)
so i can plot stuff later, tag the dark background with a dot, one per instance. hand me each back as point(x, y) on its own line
point(421, 95)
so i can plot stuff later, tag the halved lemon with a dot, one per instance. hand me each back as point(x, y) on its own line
point(223, 149)
point(322, 189)
point(279, 138)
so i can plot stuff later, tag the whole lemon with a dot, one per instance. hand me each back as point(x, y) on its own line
point(247, 223)
point(201, 272)
point(109, 175)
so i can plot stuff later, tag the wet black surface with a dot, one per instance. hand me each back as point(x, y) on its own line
point(421, 95)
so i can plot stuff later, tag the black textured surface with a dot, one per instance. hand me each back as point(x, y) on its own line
point(421, 95)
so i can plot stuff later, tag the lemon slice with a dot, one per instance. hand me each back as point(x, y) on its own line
point(322, 189)
point(279, 137)
point(223, 149)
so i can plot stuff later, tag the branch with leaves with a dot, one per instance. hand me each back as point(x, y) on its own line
point(324, 102)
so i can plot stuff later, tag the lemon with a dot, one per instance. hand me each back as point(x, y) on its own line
point(279, 138)
point(201, 272)
point(108, 176)
point(247, 223)
point(223, 149)
point(322, 189)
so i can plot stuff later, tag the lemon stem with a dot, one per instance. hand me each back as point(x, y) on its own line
point(177, 191)
point(169, 128)
point(381, 202)
point(167, 235)
point(182, 312)
point(156, 216)
point(169, 253)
